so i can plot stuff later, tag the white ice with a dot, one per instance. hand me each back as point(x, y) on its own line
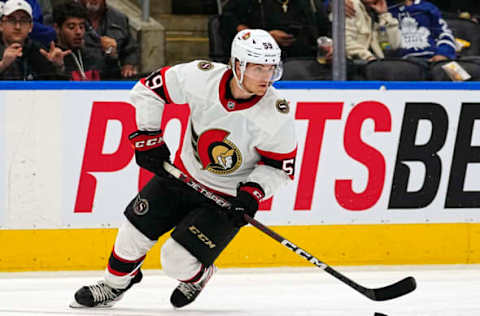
point(444, 290)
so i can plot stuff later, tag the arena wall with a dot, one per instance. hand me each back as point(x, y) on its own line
point(386, 173)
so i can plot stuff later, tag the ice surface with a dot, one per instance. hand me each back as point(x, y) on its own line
point(443, 290)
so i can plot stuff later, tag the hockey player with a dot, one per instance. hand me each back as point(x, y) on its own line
point(240, 143)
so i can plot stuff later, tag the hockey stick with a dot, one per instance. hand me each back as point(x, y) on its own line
point(392, 291)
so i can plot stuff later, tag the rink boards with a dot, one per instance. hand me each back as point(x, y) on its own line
point(385, 174)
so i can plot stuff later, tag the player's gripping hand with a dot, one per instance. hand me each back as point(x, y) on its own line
point(150, 151)
point(248, 197)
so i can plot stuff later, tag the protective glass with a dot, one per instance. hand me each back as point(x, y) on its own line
point(259, 72)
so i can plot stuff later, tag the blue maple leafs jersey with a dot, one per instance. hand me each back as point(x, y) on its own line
point(424, 32)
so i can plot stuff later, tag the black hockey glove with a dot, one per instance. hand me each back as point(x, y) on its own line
point(248, 197)
point(150, 151)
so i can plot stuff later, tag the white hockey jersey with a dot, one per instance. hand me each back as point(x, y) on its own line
point(227, 141)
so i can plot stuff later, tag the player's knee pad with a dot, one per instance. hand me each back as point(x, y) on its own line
point(130, 243)
point(178, 262)
point(205, 232)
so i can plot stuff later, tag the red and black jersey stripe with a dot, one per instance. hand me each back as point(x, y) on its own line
point(156, 82)
point(285, 162)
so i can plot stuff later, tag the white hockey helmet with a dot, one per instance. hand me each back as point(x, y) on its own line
point(257, 47)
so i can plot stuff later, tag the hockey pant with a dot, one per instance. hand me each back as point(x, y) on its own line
point(201, 232)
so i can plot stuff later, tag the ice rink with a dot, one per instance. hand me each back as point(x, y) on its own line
point(442, 291)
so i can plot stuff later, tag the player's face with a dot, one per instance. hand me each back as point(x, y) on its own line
point(258, 78)
point(72, 32)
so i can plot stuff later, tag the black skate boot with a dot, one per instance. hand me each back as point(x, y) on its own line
point(101, 294)
point(187, 292)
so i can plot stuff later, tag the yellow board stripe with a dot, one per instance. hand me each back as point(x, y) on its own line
point(88, 249)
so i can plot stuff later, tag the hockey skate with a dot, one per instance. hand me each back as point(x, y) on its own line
point(101, 295)
point(187, 292)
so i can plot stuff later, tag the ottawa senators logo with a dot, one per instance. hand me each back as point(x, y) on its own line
point(282, 106)
point(205, 65)
point(140, 206)
point(215, 152)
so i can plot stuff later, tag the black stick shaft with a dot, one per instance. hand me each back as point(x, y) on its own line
point(397, 289)
point(304, 254)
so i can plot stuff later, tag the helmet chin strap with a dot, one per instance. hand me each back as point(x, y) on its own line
point(239, 81)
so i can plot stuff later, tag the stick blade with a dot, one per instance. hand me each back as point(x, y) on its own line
point(395, 290)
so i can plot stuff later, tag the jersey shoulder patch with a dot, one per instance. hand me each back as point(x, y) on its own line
point(205, 65)
point(282, 106)
point(278, 105)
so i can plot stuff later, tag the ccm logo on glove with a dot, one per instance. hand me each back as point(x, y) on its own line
point(146, 140)
point(150, 151)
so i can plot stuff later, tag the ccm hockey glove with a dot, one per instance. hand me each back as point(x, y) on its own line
point(150, 151)
point(248, 197)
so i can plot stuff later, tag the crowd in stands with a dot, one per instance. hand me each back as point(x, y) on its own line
point(385, 39)
point(86, 40)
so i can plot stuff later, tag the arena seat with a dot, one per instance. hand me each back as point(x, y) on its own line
point(305, 69)
point(471, 65)
point(468, 31)
point(395, 70)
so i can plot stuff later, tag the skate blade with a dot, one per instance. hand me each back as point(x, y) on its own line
point(74, 304)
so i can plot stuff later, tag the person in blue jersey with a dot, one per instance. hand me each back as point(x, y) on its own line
point(425, 34)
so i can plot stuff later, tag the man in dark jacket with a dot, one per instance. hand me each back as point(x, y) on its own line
point(83, 63)
point(295, 24)
point(23, 58)
point(109, 29)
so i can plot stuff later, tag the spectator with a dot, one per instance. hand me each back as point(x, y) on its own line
point(295, 24)
point(349, 9)
point(23, 58)
point(41, 33)
point(425, 34)
point(82, 63)
point(370, 31)
point(110, 31)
